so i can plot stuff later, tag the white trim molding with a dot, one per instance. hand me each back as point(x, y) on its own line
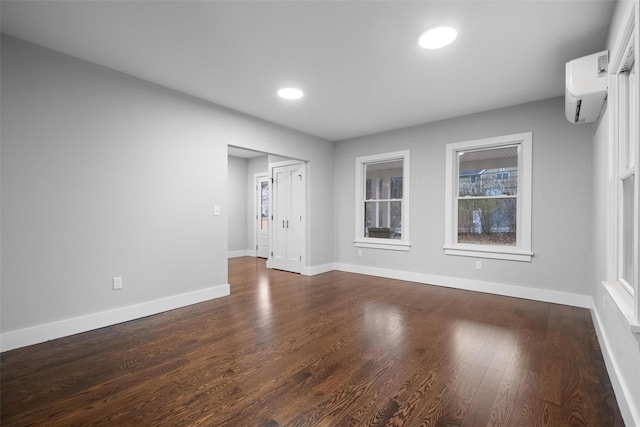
point(238, 254)
point(360, 239)
point(624, 164)
point(536, 294)
point(75, 325)
point(318, 269)
point(630, 410)
point(500, 252)
point(382, 244)
point(522, 251)
point(624, 302)
point(257, 208)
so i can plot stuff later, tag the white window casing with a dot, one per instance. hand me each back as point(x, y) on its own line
point(623, 234)
point(522, 250)
point(363, 241)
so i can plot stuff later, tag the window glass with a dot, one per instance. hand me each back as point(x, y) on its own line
point(487, 196)
point(383, 200)
point(628, 230)
point(264, 205)
point(396, 187)
point(628, 144)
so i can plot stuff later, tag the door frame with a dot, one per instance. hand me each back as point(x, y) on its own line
point(305, 203)
point(256, 210)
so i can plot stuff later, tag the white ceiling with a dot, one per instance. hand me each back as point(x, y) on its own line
point(358, 62)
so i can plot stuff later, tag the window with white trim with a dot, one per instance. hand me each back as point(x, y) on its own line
point(626, 128)
point(623, 235)
point(623, 232)
point(488, 198)
point(382, 201)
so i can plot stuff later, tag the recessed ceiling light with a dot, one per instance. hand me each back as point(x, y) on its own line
point(290, 93)
point(438, 37)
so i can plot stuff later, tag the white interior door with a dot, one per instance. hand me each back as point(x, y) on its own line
point(287, 228)
point(279, 207)
point(295, 235)
point(262, 216)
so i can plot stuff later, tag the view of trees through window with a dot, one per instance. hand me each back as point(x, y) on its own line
point(383, 200)
point(487, 196)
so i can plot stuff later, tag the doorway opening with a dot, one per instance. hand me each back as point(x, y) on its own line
point(267, 208)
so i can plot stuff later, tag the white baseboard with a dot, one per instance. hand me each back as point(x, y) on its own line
point(41, 333)
point(536, 294)
point(238, 254)
point(630, 410)
point(318, 269)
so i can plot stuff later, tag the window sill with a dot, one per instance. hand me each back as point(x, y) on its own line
point(624, 302)
point(383, 244)
point(504, 253)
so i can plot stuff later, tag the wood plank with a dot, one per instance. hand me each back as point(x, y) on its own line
point(333, 349)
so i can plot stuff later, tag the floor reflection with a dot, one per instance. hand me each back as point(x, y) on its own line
point(383, 323)
point(484, 345)
point(263, 297)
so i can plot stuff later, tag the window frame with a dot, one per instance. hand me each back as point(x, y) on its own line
point(626, 296)
point(626, 148)
point(522, 251)
point(360, 239)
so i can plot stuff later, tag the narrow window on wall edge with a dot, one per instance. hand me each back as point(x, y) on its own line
point(382, 201)
point(488, 198)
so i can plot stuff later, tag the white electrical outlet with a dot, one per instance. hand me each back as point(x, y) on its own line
point(216, 210)
point(359, 252)
point(117, 283)
point(478, 265)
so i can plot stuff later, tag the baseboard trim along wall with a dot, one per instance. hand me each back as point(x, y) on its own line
point(318, 269)
point(536, 294)
point(629, 409)
point(238, 254)
point(41, 333)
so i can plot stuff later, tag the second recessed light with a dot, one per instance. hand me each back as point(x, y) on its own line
point(438, 37)
point(290, 93)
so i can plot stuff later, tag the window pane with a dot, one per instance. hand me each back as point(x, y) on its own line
point(487, 221)
point(264, 205)
point(490, 172)
point(633, 117)
point(627, 230)
point(396, 187)
point(384, 176)
point(628, 148)
point(383, 220)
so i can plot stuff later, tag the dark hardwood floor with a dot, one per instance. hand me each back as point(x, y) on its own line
point(334, 349)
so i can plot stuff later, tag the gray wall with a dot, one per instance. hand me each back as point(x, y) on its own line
point(561, 201)
point(238, 206)
point(106, 175)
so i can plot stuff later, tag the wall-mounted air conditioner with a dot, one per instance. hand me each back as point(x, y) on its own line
point(586, 87)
